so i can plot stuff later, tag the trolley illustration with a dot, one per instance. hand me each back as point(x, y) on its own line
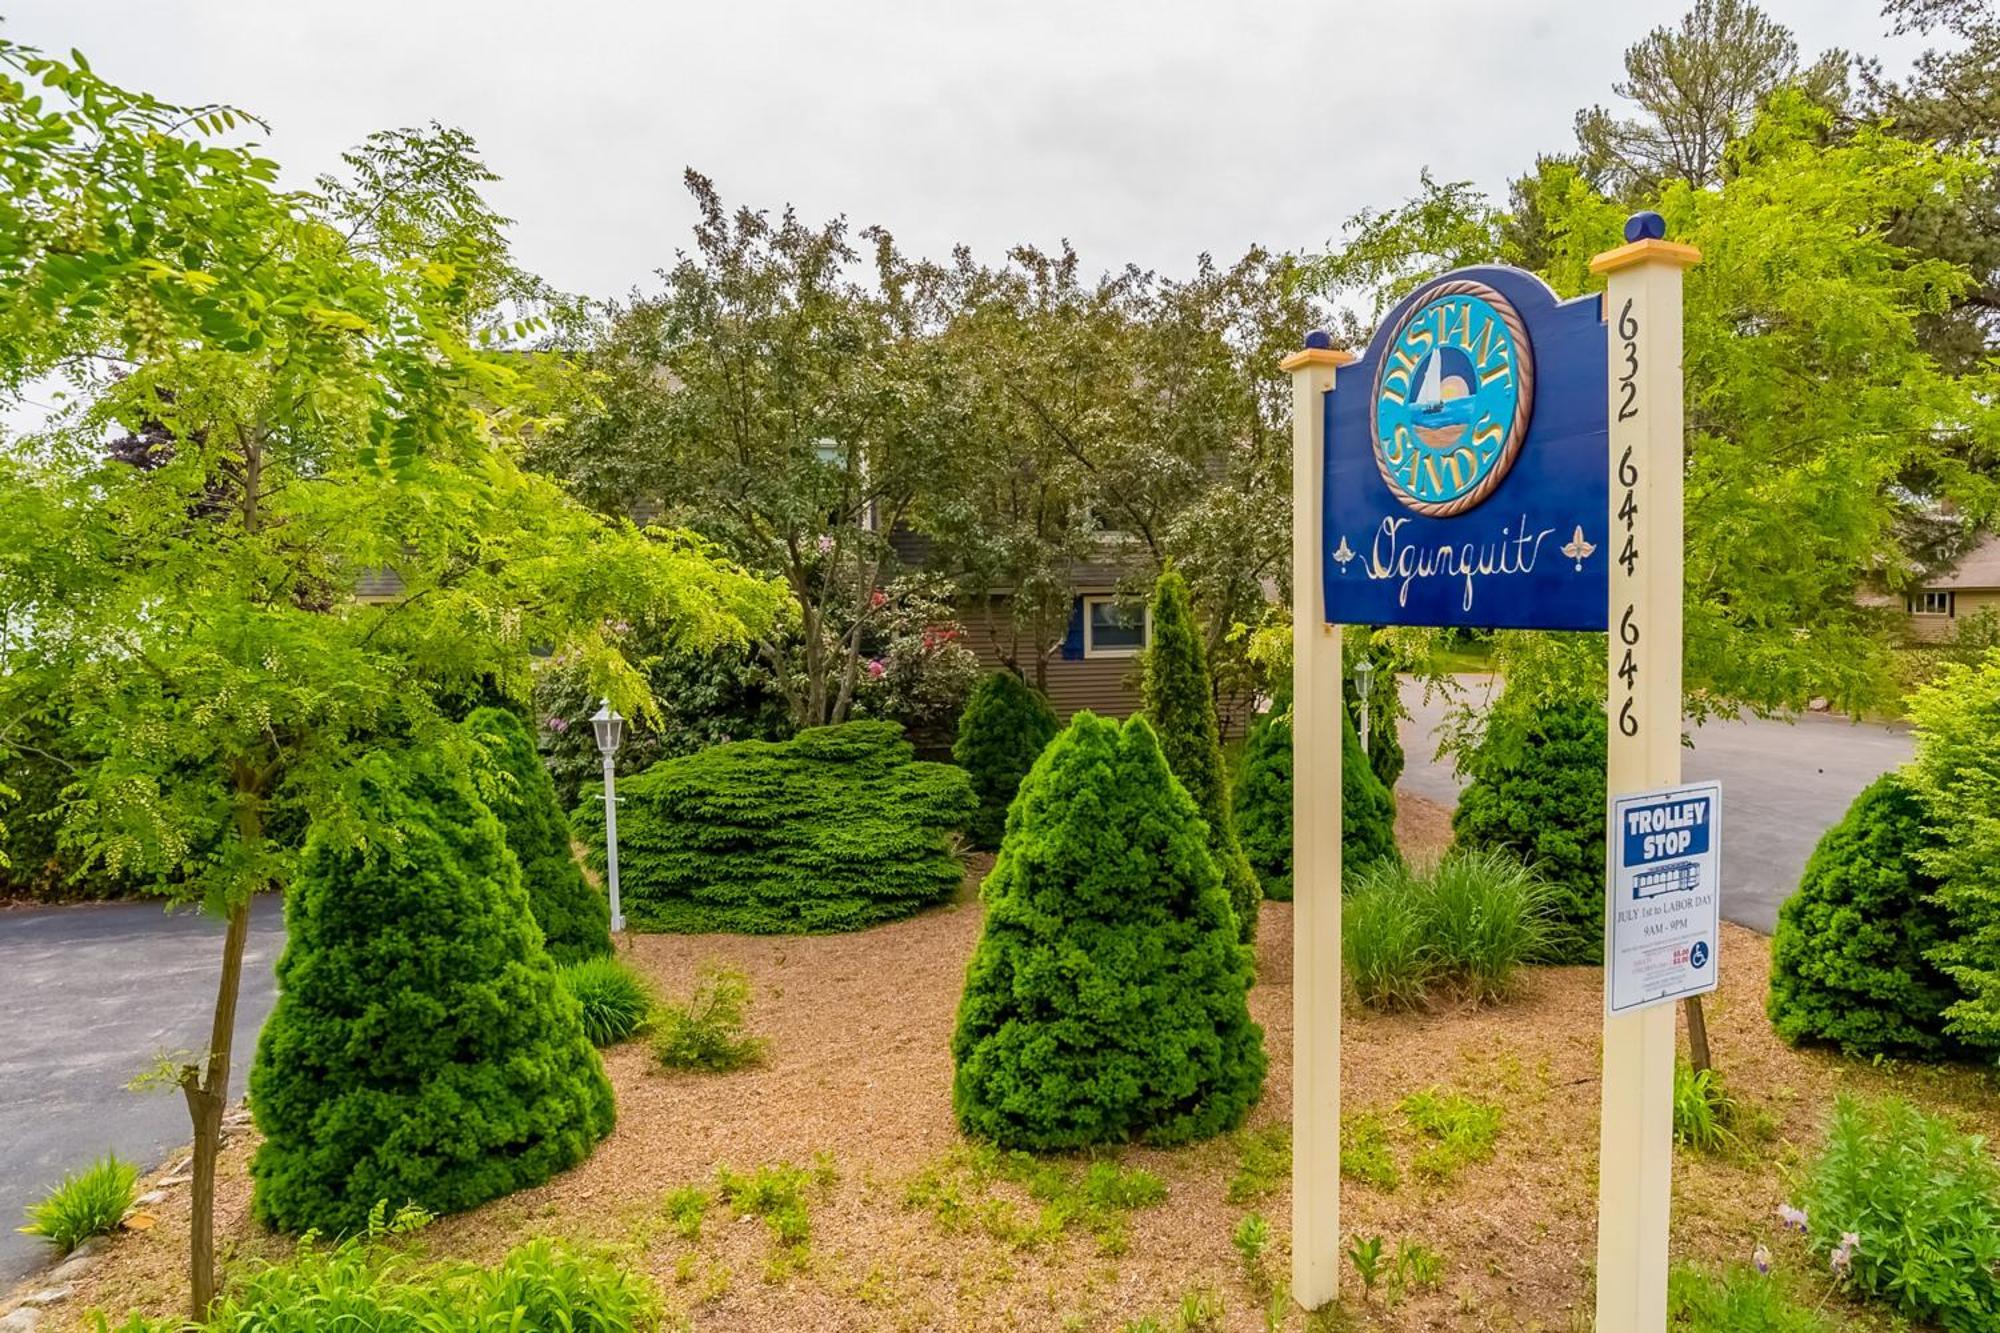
point(1673, 877)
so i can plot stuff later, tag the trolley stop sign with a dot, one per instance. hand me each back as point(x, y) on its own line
point(1665, 896)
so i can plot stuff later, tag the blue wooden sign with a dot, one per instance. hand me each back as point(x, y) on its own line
point(1466, 462)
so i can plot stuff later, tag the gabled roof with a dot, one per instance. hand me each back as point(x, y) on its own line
point(1979, 569)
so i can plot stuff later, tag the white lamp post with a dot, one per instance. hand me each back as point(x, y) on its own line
point(610, 729)
point(1364, 683)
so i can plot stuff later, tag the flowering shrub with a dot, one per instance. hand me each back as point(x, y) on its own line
point(1906, 1209)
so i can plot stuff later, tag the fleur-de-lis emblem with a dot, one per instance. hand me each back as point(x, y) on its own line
point(1342, 554)
point(1578, 549)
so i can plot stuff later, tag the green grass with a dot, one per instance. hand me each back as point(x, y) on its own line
point(706, 1032)
point(1365, 1151)
point(1462, 927)
point(779, 1194)
point(980, 1188)
point(1703, 1110)
point(87, 1203)
point(1263, 1162)
point(685, 1207)
point(1737, 1300)
point(615, 999)
point(1461, 1129)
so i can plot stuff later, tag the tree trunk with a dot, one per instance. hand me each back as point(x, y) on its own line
point(1697, 1033)
point(206, 1086)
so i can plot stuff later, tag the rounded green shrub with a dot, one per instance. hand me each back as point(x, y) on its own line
point(1264, 805)
point(1848, 962)
point(1180, 703)
point(511, 778)
point(422, 1050)
point(1107, 999)
point(835, 829)
point(1537, 790)
point(1005, 724)
point(613, 998)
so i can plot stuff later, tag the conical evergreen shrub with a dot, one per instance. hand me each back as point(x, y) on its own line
point(1107, 999)
point(1537, 790)
point(1848, 962)
point(1180, 703)
point(1385, 743)
point(575, 918)
point(422, 1049)
point(1005, 724)
point(1264, 804)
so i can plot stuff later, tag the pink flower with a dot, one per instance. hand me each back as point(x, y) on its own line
point(876, 669)
point(557, 724)
point(1842, 1257)
point(826, 543)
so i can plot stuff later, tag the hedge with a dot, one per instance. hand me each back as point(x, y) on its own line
point(1537, 790)
point(1264, 804)
point(835, 829)
point(422, 1050)
point(1848, 961)
point(575, 918)
point(1180, 703)
point(1107, 998)
point(1005, 724)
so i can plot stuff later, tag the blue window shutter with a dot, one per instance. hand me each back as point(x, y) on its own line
point(1072, 648)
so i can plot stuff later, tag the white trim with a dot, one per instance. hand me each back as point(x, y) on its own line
point(1090, 648)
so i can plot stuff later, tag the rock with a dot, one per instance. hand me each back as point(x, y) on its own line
point(150, 1196)
point(21, 1320)
point(172, 1181)
point(47, 1296)
point(1820, 704)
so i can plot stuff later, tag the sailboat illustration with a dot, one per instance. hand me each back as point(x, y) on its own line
point(1445, 402)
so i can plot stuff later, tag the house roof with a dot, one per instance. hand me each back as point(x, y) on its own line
point(1979, 569)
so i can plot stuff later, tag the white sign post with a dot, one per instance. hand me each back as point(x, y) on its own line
point(1665, 896)
point(1642, 319)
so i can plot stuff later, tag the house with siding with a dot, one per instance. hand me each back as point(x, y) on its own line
point(1941, 606)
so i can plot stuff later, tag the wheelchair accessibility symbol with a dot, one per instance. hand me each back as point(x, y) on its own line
point(1699, 955)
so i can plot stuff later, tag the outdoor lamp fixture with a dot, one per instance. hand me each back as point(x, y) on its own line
point(1364, 683)
point(610, 729)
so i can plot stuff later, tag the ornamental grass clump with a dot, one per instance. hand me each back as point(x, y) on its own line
point(614, 999)
point(87, 1203)
point(1107, 998)
point(510, 777)
point(835, 829)
point(1906, 1209)
point(1001, 733)
point(1850, 963)
point(1537, 790)
point(1459, 928)
point(423, 1049)
point(1263, 803)
point(1180, 703)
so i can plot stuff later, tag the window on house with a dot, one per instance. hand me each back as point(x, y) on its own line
point(1115, 627)
point(1931, 603)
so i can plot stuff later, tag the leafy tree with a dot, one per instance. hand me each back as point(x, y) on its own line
point(1108, 997)
point(835, 829)
point(1003, 730)
point(575, 918)
point(768, 400)
point(325, 411)
point(1537, 790)
point(1956, 779)
point(1849, 960)
point(1180, 703)
point(1697, 87)
point(423, 1050)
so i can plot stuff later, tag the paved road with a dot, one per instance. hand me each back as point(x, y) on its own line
point(91, 995)
point(1783, 783)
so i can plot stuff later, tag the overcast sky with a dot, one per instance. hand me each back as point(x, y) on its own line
point(1144, 132)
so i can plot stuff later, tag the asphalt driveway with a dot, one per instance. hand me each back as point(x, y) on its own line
point(93, 994)
point(1783, 783)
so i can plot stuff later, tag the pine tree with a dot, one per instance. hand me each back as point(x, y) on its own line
point(1005, 724)
point(1537, 790)
point(1180, 703)
point(422, 1049)
point(1263, 802)
point(575, 918)
point(1848, 961)
point(1107, 999)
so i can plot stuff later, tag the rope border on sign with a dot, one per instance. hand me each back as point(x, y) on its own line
point(1524, 401)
